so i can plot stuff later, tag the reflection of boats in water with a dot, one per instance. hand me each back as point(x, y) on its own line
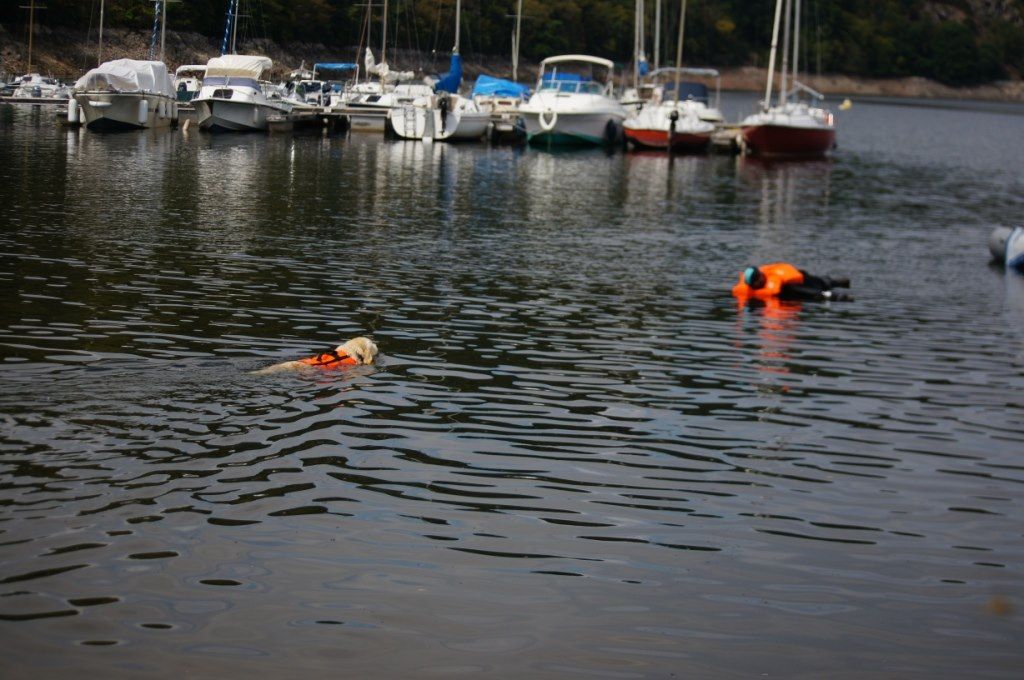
point(785, 185)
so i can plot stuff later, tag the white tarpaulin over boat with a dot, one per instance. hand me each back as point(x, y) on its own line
point(242, 65)
point(128, 75)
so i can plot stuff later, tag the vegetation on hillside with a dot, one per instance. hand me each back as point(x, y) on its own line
point(958, 42)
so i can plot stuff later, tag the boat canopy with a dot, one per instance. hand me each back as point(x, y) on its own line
point(190, 68)
point(686, 70)
point(578, 57)
point(490, 86)
point(335, 66)
point(128, 75)
point(451, 81)
point(248, 66)
point(687, 90)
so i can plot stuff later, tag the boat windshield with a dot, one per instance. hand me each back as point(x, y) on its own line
point(571, 87)
point(230, 81)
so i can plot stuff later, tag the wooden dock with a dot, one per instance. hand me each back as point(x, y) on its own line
point(35, 101)
point(727, 139)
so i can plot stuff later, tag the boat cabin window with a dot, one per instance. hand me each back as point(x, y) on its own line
point(563, 86)
point(231, 81)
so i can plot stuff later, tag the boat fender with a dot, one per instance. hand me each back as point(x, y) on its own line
point(545, 125)
point(997, 243)
point(143, 111)
point(72, 111)
point(443, 103)
point(611, 133)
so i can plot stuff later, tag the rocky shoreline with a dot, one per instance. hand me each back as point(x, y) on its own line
point(67, 53)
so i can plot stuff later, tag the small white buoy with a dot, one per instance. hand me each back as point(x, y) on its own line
point(997, 243)
point(184, 128)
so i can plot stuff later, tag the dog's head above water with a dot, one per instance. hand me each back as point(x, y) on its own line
point(361, 349)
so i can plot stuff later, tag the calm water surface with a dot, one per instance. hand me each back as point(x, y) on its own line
point(576, 457)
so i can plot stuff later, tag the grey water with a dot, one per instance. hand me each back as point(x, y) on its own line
point(576, 457)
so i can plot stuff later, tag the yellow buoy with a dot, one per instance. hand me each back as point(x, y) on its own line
point(846, 105)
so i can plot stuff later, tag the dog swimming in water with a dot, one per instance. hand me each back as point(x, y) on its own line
point(355, 352)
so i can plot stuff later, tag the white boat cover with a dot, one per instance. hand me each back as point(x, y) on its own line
point(241, 65)
point(128, 75)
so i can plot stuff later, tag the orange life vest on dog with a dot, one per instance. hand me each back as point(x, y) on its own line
point(776, 276)
point(331, 359)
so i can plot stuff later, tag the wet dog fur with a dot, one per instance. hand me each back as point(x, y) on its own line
point(361, 349)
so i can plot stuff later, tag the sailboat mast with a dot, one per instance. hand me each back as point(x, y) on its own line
point(796, 40)
point(771, 56)
point(163, 27)
point(636, 44)
point(234, 28)
point(458, 17)
point(515, 42)
point(657, 34)
point(679, 46)
point(384, 37)
point(31, 30)
point(783, 84)
point(99, 50)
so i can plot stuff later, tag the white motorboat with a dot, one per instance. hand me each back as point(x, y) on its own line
point(570, 107)
point(36, 86)
point(126, 94)
point(188, 80)
point(232, 97)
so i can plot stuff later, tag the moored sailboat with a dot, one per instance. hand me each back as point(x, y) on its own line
point(792, 128)
point(445, 115)
point(668, 119)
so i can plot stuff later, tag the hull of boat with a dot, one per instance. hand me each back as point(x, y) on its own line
point(782, 141)
point(682, 142)
point(366, 117)
point(414, 122)
point(225, 115)
point(106, 111)
point(572, 129)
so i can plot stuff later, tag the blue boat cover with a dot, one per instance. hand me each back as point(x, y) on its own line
point(450, 81)
point(687, 90)
point(336, 66)
point(489, 85)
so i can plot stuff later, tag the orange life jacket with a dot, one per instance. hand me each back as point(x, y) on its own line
point(331, 359)
point(776, 276)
